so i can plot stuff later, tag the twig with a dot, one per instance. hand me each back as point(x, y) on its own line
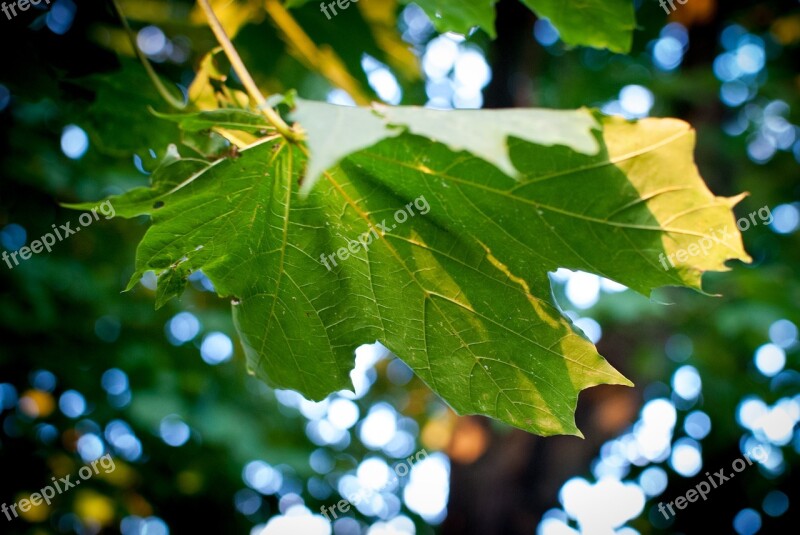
point(162, 90)
point(244, 75)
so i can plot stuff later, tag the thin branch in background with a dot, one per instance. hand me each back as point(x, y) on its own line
point(244, 75)
point(323, 60)
point(159, 85)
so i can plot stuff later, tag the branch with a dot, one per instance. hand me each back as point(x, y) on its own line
point(244, 75)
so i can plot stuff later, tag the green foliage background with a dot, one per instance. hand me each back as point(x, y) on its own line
point(63, 312)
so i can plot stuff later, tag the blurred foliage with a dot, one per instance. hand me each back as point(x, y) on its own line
point(63, 312)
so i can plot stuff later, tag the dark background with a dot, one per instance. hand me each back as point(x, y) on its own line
point(64, 321)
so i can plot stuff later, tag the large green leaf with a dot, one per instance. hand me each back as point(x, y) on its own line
point(460, 289)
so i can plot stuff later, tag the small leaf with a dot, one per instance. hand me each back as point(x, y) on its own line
point(171, 283)
point(235, 119)
point(596, 23)
point(118, 120)
point(459, 16)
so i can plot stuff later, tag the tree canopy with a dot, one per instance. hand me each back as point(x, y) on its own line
point(309, 179)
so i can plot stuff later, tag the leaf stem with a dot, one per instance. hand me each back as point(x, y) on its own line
point(159, 85)
point(244, 75)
